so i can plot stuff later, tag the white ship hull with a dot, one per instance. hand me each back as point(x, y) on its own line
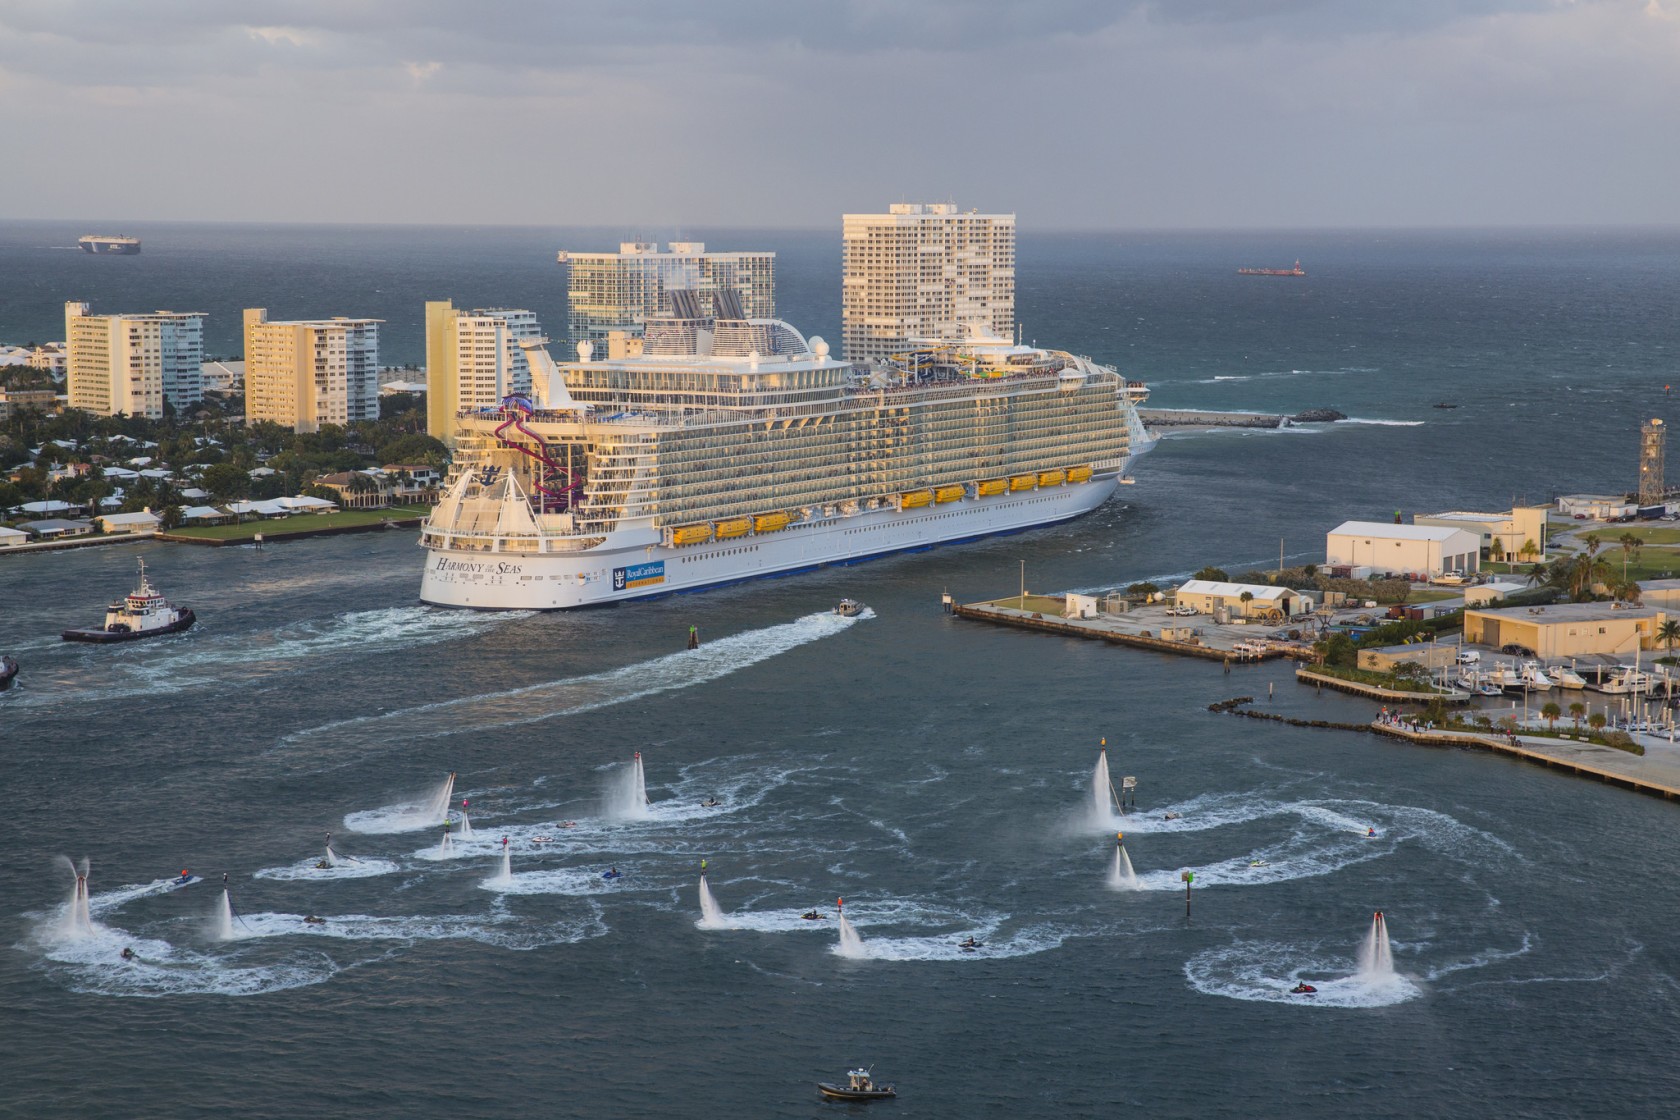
point(634, 565)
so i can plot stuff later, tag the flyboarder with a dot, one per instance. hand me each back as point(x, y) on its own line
point(693, 637)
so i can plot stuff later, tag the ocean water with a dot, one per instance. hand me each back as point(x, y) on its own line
point(933, 773)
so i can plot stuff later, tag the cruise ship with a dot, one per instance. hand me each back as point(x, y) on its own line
point(714, 450)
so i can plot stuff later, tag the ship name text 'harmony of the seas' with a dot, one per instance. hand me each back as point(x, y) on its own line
point(719, 449)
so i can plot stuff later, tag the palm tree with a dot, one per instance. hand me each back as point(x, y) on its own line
point(1627, 591)
point(1539, 573)
point(1496, 551)
point(1669, 633)
point(1576, 711)
point(1550, 713)
point(1591, 540)
point(1529, 549)
point(1631, 544)
point(1596, 721)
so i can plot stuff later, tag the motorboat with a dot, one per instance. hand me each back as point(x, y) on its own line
point(1627, 680)
point(1566, 678)
point(143, 613)
point(860, 1086)
point(1533, 677)
point(848, 608)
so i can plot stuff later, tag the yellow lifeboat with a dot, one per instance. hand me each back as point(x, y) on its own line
point(770, 522)
point(691, 534)
point(1023, 482)
point(1051, 478)
point(947, 494)
point(1079, 474)
point(734, 527)
point(990, 486)
point(915, 499)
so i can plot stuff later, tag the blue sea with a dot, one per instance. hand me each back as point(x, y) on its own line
point(935, 774)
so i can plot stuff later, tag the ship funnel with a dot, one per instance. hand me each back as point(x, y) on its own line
point(548, 384)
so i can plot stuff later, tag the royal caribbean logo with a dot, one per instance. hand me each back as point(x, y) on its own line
point(639, 575)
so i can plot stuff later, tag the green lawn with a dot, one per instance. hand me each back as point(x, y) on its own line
point(1650, 534)
point(300, 523)
point(1433, 595)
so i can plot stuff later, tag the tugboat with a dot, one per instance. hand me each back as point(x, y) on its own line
point(861, 1087)
point(143, 614)
point(848, 608)
point(8, 670)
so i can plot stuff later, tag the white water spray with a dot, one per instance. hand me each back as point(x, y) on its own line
point(224, 917)
point(466, 825)
point(1121, 876)
point(78, 919)
point(851, 945)
point(504, 873)
point(1103, 800)
point(437, 809)
point(447, 848)
point(627, 798)
point(1376, 961)
point(711, 914)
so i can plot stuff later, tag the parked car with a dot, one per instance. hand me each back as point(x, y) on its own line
point(1469, 657)
point(1516, 649)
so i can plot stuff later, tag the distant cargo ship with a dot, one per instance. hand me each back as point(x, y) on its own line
point(1296, 271)
point(110, 244)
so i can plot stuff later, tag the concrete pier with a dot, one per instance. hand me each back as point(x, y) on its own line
point(1110, 628)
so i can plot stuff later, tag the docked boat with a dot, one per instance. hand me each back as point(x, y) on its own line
point(724, 448)
point(143, 613)
point(8, 670)
point(860, 1086)
point(1626, 680)
point(1566, 678)
point(1533, 677)
point(110, 244)
point(848, 608)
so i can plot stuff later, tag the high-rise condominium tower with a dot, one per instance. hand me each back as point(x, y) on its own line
point(311, 372)
point(473, 360)
point(925, 271)
point(133, 364)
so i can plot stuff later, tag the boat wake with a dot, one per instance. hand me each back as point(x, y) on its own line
point(344, 869)
point(203, 660)
point(503, 931)
point(1264, 972)
point(539, 702)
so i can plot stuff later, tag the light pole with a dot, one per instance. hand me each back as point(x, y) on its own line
point(1023, 585)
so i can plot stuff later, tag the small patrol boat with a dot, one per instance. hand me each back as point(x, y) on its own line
point(848, 608)
point(860, 1086)
point(143, 613)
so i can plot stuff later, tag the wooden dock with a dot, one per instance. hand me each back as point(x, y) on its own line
point(1378, 692)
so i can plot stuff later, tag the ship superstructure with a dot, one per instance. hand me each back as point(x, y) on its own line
point(720, 449)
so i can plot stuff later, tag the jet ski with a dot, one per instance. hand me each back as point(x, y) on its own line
point(710, 803)
point(813, 916)
point(615, 873)
point(322, 865)
point(313, 920)
point(1303, 989)
point(129, 955)
point(1173, 817)
point(1257, 863)
point(183, 878)
point(543, 839)
point(970, 945)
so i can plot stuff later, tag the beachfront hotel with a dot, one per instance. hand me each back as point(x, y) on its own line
point(133, 364)
point(304, 373)
point(924, 271)
point(612, 292)
point(473, 360)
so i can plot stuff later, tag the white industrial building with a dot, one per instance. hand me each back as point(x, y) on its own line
point(1428, 550)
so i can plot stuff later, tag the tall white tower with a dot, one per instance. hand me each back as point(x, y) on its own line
point(925, 270)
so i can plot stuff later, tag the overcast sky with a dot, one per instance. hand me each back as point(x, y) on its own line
point(1073, 113)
